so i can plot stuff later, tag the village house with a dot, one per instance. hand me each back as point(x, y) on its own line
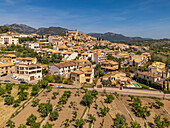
point(149, 76)
point(9, 58)
point(99, 57)
point(84, 75)
point(28, 69)
point(81, 63)
point(109, 66)
point(159, 68)
point(6, 39)
point(118, 79)
point(62, 68)
point(86, 56)
point(72, 34)
point(7, 68)
point(33, 45)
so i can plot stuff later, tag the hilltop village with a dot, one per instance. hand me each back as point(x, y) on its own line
point(34, 68)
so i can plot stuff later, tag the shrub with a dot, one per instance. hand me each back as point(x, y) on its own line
point(54, 115)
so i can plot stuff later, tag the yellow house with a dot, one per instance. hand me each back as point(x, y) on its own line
point(9, 58)
point(84, 75)
point(7, 68)
point(157, 67)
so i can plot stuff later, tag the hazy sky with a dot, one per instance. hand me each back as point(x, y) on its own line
point(145, 18)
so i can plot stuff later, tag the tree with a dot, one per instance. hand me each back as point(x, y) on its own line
point(104, 111)
point(22, 126)
point(16, 103)
point(66, 123)
point(159, 103)
point(35, 102)
point(9, 88)
point(109, 98)
point(94, 93)
point(23, 87)
point(43, 83)
point(132, 97)
point(31, 119)
point(2, 91)
point(23, 96)
point(106, 82)
point(119, 66)
point(44, 71)
point(120, 121)
point(135, 125)
point(10, 123)
point(91, 118)
point(161, 124)
point(140, 111)
point(48, 125)
point(67, 94)
point(100, 72)
point(50, 78)
point(35, 89)
point(49, 88)
point(74, 115)
point(54, 115)
point(80, 123)
point(163, 85)
point(9, 100)
point(167, 85)
point(6, 43)
point(35, 125)
point(63, 99)
point(45, 109)
point(87, 100)
point(96, 106)
point(55, 94)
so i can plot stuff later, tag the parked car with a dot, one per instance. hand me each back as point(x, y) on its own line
point(51, 85)
point(59, 86)
point(7, 81)
point(23, 82)
point(20, 79)
point(3, 75)
point(14, 77)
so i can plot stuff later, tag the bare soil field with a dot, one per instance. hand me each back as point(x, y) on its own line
point(7, 110)
point(67, 112)
point(145, 102)
point(122, 106)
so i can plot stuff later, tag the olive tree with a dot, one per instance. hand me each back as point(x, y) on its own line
point(31, 119)
point(54, 115)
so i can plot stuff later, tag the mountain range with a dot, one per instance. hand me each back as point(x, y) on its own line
point(22, 28)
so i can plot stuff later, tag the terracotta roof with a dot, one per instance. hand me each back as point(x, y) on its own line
point(65, 64)
point(26, 58)
point(110, 62)
point(149, 74)
point(78, 72)
point(85, 54)
point(110, 68)
point(6, 64)
point(86, 69)
point(69, 53)
point(10, 55)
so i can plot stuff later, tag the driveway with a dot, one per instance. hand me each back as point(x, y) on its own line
point(8, 77)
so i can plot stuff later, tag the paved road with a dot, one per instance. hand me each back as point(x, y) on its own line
point(125, 91)
point(135, 92)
